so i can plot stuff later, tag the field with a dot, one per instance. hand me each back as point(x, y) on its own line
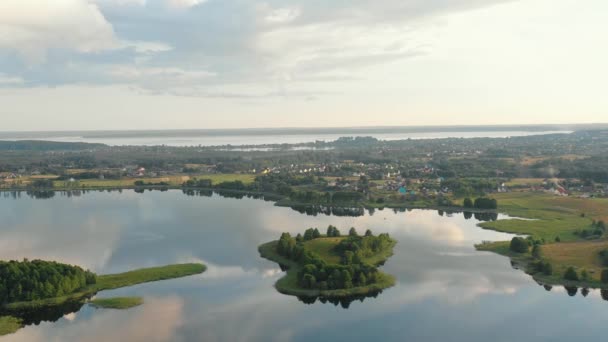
point(324, 247)
point(547, 217)
point(117, 302)
point(174, 181)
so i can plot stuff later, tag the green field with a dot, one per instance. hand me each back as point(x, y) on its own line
point(323, 246)
point(173, 181)
point(117, 302)
point(548, 217)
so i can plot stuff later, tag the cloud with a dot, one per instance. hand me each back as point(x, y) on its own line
point(31, 27)
point(270, 47)
point(6, 80)
point(185, 3)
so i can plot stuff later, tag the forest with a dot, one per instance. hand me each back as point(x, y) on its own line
point(37, 279)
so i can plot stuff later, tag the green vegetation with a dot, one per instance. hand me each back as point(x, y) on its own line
point(34, 280)
point(9, 325)
point(331, 266)
point(518, 245)
point(117, 302)
point(114, 281)
point(566, 241)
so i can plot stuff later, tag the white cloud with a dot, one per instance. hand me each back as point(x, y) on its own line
point(282, 15)
point(10, 80)
point(32, 27)
point(184, 3)
point(121, 2)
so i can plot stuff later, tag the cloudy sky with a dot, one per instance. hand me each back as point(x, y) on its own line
point(146, 64)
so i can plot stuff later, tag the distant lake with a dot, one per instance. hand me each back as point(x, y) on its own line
point(446, 291)
point(256, 137)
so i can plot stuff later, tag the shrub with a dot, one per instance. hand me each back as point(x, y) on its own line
point(604, 276)
point(518, 245)
point(571, 274)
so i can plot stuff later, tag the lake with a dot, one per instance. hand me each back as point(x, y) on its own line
point(446, 291)
point(262, 137)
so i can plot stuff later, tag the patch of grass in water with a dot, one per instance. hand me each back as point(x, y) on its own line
point(9, 325)
point(117, 302)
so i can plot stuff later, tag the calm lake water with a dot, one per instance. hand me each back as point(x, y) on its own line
point(177, 138)
point(446, 291)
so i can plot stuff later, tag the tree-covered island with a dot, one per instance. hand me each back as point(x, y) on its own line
point(331, 265)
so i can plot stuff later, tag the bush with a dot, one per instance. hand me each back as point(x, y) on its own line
point(518, 245)
point(604, 277)
point(571, 274)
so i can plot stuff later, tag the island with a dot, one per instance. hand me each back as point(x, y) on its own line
point(117, 302)
point(29, 288)
point(331, 265)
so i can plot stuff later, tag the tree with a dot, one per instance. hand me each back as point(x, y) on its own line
point(536, 251)
point(547, 269)
point(584, 275)
point(309, 281)
point(352, 232)
point(571, 274)
point(557, 239)
point(604, 276)
point(468, 203)
point(362, 280)
point(308, 234)
point(316, 234)
point(368, 233)
point(518, 245)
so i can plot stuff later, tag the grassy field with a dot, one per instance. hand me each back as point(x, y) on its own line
point(324, 247)
point(114, 281)
point(117, 302)
point(547, 217)
point(175, 181)
point(289, 285)
point(9, 325)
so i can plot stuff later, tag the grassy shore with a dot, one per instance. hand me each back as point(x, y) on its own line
point(117, 302)
point(289, 284)
point(548, 217)
point(114, 281)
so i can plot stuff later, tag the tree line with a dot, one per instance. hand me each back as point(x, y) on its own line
point(37, 279)
point(480, 203)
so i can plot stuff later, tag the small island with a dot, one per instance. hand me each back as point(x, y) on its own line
point(28, 287)
point(331, 265)
point(117, 302)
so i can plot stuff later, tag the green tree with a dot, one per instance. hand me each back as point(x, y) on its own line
point(368, 233)
point(536, 252)
point(352, 232)
point(316, 234)
point(571, 274)
point(518, 245)
point(468, 203)
point(604, 276)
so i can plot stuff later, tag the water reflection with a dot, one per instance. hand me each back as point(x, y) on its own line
point(343, 302)
point(440, 276)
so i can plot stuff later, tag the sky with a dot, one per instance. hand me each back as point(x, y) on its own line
point(185, 64)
